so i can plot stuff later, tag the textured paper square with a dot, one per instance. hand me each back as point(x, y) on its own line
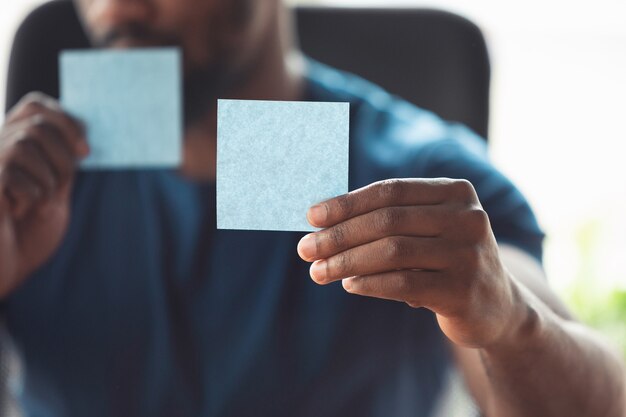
point(130, 102)
point(275, 159)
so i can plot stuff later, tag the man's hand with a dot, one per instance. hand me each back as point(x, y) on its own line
point(426, 242)
point(39, 148)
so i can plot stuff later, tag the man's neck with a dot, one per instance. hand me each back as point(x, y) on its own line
point(277, 75)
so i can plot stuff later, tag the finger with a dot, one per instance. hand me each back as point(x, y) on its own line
point(31, 104)
point(388, 254)
point(22, 191)
point(56, 151)
point(389, 193)
point(36, 109)
point(28, 157)
point(416, 288)
point(419, 221)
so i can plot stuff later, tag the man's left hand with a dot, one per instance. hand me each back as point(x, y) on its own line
point(425, 242)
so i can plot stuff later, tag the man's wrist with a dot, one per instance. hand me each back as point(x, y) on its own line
point(525, 324)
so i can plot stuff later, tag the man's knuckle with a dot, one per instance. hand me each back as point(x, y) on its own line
point(33, 106)
point(465, 185)
point(390, 190)
point(462, 188)
point(343, 263)
point(40, 120)
point(337, 235)
point(389, 219)
point(395, 248)
point(345, 205)
point(46, 128)
point(480, 217)
point(404, 282)
point(33, 131)
point(34, 96)
point(476, 222)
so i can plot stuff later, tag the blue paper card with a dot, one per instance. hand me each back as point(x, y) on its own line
point(275, 159)
point(130, 102)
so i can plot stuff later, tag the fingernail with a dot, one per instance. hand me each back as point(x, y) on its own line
point(347, 283)
point(318, 271)
point(307, 247)
point(317, 214)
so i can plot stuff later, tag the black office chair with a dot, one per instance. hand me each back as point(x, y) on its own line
point(432, 58)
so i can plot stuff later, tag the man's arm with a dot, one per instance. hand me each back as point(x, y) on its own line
point(525, 376)
point(429, 243)
point(40, 146)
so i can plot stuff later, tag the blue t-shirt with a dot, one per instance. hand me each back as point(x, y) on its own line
point(148, 310)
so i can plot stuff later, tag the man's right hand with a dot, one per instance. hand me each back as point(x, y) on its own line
point(40, 146)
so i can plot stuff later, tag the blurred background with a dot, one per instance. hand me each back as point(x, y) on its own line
point(556, 128)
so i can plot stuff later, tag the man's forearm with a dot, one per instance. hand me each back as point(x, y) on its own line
point(549, 366)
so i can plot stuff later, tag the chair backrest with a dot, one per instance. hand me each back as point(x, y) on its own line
point(432, 58)
point(435, 59)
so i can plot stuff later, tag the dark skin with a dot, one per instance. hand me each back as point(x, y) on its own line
point(39, 148)
point(427, 243)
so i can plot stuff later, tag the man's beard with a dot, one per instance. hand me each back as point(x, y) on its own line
point(201, 86)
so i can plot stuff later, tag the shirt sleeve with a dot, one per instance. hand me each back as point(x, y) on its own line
point(463, 155)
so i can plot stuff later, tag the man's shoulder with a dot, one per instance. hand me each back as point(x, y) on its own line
point(389, 130)
point(393, 138)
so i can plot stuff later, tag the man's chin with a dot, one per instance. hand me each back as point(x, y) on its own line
point(134, 43)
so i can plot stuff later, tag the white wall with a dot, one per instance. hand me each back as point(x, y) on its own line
point(11, 14)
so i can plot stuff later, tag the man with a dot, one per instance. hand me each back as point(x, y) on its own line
point(125, 300)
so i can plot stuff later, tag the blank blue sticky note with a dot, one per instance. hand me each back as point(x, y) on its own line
point(130, 102)
point(275, 159)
